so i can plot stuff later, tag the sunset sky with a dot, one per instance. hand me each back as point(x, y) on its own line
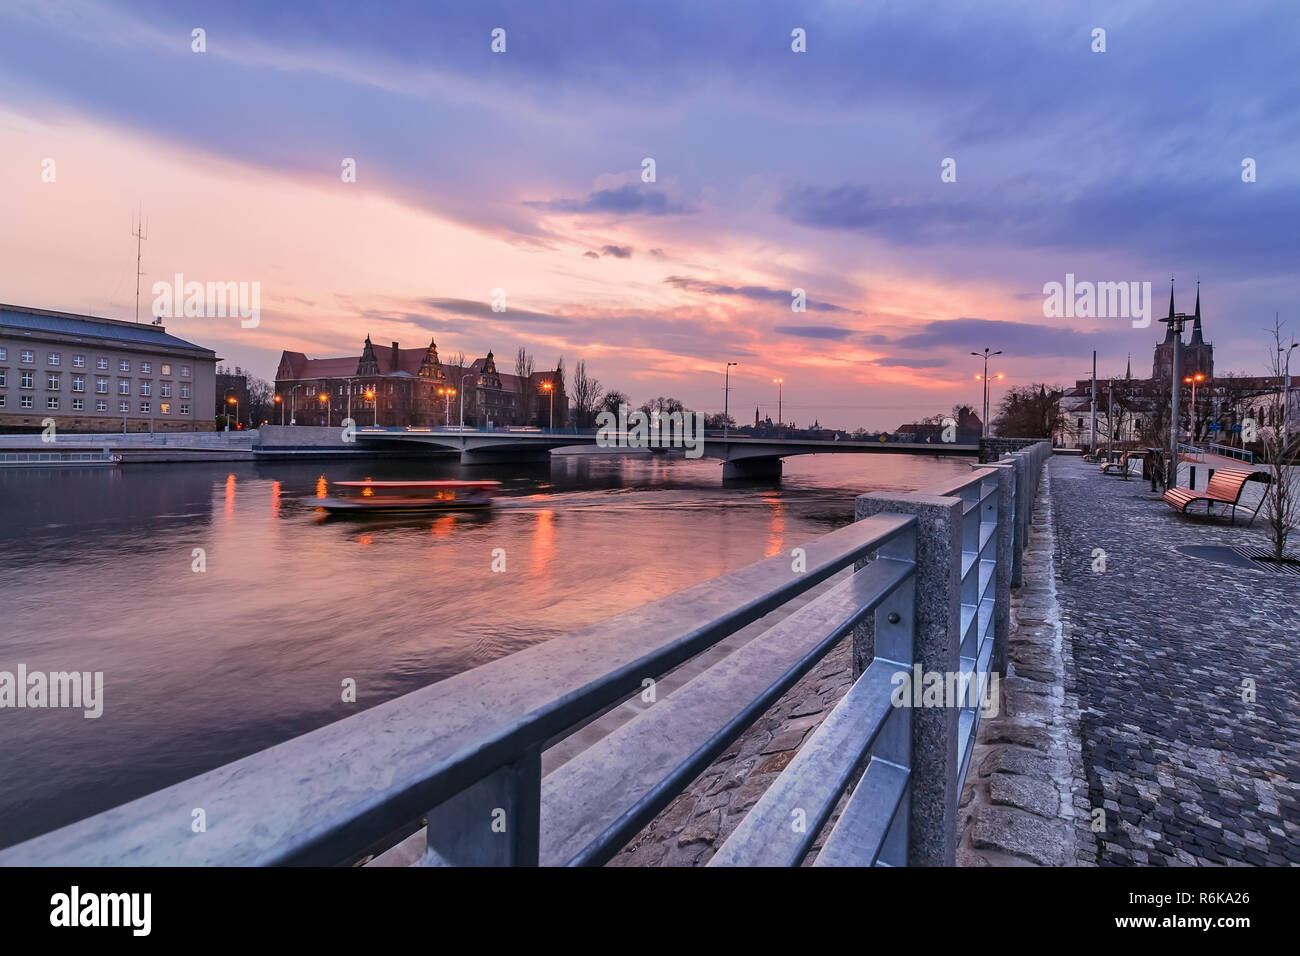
point(775, 170)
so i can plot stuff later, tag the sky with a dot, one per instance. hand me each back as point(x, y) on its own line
point(774, 170)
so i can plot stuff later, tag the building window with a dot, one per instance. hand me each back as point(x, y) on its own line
point(78, 404)
point(78, 361)
point(4, 354)
point(166, 389)
point(2, 401)
point(166, 369)
point(53, 358)
point(27, 357)
point(123, 407)
point(185, 390)
point(52, 402)
point(144, 408)
point(185, 371)
point(101, 386)
point(124, 386)
point(185, 409)
point(78, 383)
point(146, 388)
point(146, 367)
point(4, 377)
point(165, 408)
point(52, 383)
point(101, 405)
point(26, 380)
point(101, 363)
point(25, 401)
point(124, 365)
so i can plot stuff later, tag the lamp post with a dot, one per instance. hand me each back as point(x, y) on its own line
point(986, 354)
point(279, 401)
point(235, 402)
point(1176, 321)
point(447, 392)
point(374, 405)
point(549, 389)
point(463, 379)
point(1193, 380)
point(780, 388)
point(726, 398)
point(329, 407)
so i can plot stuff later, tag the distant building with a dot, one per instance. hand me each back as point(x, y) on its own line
point(1141, 405)
point(397, 386)
point(92, 374)
point(232, 384)
point(969, 428)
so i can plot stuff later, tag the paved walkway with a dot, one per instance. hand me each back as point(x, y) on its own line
point(1165, 646)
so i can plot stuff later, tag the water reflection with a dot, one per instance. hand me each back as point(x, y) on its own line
point(204, 667)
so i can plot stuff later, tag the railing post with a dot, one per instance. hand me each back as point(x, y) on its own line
point(932, 834)
point(1006, 542)
point(495, 822)
point(1018, 524)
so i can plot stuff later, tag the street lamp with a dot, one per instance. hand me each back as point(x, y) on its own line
point(448, 392)
point(780, 387)
point(374, 405)
point(235, 402)
point(279, 401)
point(726, 397)
point(549, 388)
point(986, 354)
point(1192, 380)
point(329, 407)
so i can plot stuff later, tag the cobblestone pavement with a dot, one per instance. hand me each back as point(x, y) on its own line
point(1024, 801)
point(1186, 771)
point(691, 828)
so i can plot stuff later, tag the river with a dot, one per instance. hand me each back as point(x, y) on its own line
point(200, 667)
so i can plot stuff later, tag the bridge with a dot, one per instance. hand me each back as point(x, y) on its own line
point(919, 581)
point(742, 457)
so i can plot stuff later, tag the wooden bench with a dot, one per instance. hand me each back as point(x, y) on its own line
point(1116, 467)
point(1225, 487)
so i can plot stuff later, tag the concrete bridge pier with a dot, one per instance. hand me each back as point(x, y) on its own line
point(752, 469)
point(489, 456)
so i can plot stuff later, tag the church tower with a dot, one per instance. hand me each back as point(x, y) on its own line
point(1198, 355)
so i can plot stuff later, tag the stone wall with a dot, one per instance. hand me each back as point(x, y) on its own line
point(991, 449)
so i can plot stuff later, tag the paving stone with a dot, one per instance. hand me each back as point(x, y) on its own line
point(1021, 834)
point(1027, 793)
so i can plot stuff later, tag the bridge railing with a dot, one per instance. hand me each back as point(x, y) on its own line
point(921, 581)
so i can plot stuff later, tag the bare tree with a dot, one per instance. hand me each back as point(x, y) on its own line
point(524, 372)
point(586, 394)
point(612, 400)
point(1282, 496)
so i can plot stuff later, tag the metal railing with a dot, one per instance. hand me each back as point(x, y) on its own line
point(925, 587)
point(1228, 451)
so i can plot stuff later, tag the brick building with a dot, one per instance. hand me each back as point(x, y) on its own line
point(397, 386)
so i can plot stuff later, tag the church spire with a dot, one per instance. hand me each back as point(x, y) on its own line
point(1128, 369)
point(1196, 323)
point(1169, 329)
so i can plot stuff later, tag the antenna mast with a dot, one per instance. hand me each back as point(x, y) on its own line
point(139, 229)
